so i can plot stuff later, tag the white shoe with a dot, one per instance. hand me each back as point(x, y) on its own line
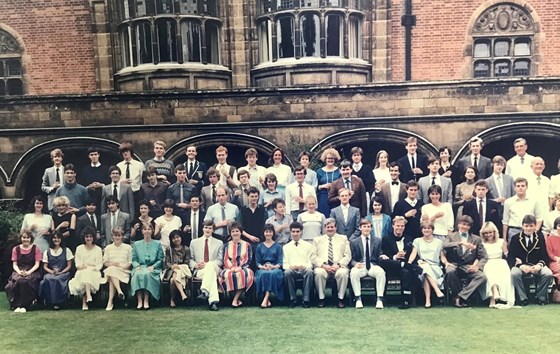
point(17, 310)
point(359, 304)
point(109, 308)
point(22, 310)
point(379, 304)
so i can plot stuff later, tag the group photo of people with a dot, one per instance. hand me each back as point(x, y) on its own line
point(480, 231)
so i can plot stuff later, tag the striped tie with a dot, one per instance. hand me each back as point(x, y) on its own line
point(330, 251)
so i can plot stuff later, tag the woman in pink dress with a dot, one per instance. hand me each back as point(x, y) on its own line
point(553, 250)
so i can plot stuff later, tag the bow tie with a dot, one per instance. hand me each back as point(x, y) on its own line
point(394, 183)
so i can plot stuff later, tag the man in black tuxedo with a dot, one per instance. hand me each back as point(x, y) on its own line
point(527, 255)
point(393, 191)
point(396, 250)
point(482, 209)
point(196, 170)
point(365, 172)
point(413, 165)
point(410, 208)
point(193, 221)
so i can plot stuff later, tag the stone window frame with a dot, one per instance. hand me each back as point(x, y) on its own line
point(11, 65)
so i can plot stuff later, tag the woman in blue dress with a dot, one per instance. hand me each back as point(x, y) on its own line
point(57, 264)
point(147, 262)
point(326, 175)
point(270, 277)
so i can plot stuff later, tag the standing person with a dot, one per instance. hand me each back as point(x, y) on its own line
point(538, 186)
point(381, 172)
point(94, 176)
point(381, 223)
point(446, 169)
point(281, 222)
point(196, 170)
point(481, 209)
point(363, 171)
point(112, 219)
point(177, 271)
point(270, 193)
point(520, 164)
point(434, 179)
point(297, 192)
point(195, 218)
point(90, 219)
point(143, 218)
point(554, 190)
point(208, 193)
point(326, 175)
point(516, 207)
point(391, 193)
point(347, 217)
point(154, 192)
point(411, 209)
point(227, 174)
point(181, 192)
point(438, 213)
point(312, 220)
point(120, 191)
point(253, 218)
point(241, 193)
point(75, 192)
point(89, 261)
point(282, 171)
point(22, 288)
point(117, 259)
point(413, 165)
point(353, 184)
point(269, 277)
point(256, 172)
point(167, 223)
point(304, 159)
point(222, 214)
point(163, 166)
point(298, 264)
point(500, 185)
point(38, 224)
point(57, 265)
point(147, 262)
point(464, 192)
point(65, 221)
point(131, 169)
point(53, 177)
point(481, 163)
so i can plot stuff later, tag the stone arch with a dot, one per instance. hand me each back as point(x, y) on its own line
point(540, 137)
point(236, 143)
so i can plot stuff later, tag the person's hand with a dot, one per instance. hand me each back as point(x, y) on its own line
point(467, 197)
point(55, 185)
point(400, 254)
point(237, 192)
point(192, 181)
point(63, 224)
point(525, 269)
point(417, 171)
point(450, 267)
point(439, 214)
point(421, 262)
point(536, 268)
point(411, 213)
point(175, 267)
point(501, 199)
point(518, 262)
point(200, 265)
point(469, 245)
point(473, 268)
point(335, 267)
point(150, 268)
point(33, 227)
point(254, 239)
point(359, 265)
point(447, 174)
point(384, 257)
point(73, 210)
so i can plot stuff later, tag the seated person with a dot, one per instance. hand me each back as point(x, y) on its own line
point(366, 255)
point(269, 277)
point(207, 254)
point(23, 286)
point(553, 250)
point(147, 261)
point(466, 257)
point(527, 255)
point(57, 265)
point(117, 259)
point(297, 264)
point(332, 256)
point(177, 271)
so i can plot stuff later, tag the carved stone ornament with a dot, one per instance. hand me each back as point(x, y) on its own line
point(8, 43)
point(504, 18)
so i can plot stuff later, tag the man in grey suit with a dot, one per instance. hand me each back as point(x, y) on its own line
point(433, 178)
point(481, 163)
point(206, 261)
point(393, 191)
point(347, 217)
point(466, 258)
point(208, 193)
point(53, 176)
point(500, 185)
point(121, 191)
point(113, 218)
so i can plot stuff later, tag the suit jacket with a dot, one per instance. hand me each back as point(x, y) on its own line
point(509, 187)
point(412, 226)
point(198, 173)
point(366, 175)
point(84, 221)
point(454, 252)
point(188, 235)
point(406, 170)
point(493, 213)
point(532, 255)
point(389, 245)
point(358, 200)
point(215, 251)
point(352, 227)
point(341, 250)
point(484, 166)
point(446, 189)
point(123, 221)
point(206, 196)
point(126, 199)
point(49, 178)
point(357, 250)
point(385, 194)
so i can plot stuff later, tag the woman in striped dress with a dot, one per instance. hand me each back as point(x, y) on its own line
point(236, 276)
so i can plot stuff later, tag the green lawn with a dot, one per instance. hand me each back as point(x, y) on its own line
point(282, 330)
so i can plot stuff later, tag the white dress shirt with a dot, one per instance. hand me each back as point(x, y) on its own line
point(516, 169)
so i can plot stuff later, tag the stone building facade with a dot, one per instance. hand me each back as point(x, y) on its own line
point(266, 73)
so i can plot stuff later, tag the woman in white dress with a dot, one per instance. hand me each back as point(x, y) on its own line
point(38, 224)
point(499, 287)
point(429, 251)
point(381, 169)
point(117, 259)
point(89, 261)
point(282, 172)
point(440, 214)
point(312, 220)
point(167, 223)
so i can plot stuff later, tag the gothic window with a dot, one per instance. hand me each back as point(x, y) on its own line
point(265, 41)
point(190, 35)
point(310, 35)
point(11, 72)
point(503, 42)
point(334, 30)
point(285, 35)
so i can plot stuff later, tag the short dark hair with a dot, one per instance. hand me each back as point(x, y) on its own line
point(58, 234)
point(151, 171)
point(300, 168)
point(481, 183)
point(270, 227)
point(88, 230)
point(126, 147)
point(277, 201)
point(195, 196)
point(242, 172)
point(432, 159)
point(110, 199)
point(211, 172)
point(556, 222)
point(434, 188)
point(442, 149)
point(236, 225)
point(395, 164)
point(168, 203)
point(529, 220)
point(70, 167)
point(115, 168)
point(253, 190)
point(180, 167)
point(36, 198)
point(466, 219)
point(208, 223)
point(411, 183)
point(345, 164)
point(296, 225)
point(93, 149)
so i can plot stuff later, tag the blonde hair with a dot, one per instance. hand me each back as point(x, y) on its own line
point(61, 200)
point(330, 151)
point(488, 227)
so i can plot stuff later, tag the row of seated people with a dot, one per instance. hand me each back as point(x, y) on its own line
point(226, 267)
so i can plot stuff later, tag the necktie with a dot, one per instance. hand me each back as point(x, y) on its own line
point(301, 196)
point(476, 162)
point(527, 241)
point(413, 162)
point(368, 258)
point(214, 194)
point(394, 183)
point(330, 251)
point(115, 192)
point(127, 175)
point(57, 175)
point(92, 221)
point(480, 211)
point(297, 243)
point(522, 160)
point(500, 186)
point(224, 219)
point(191, 170)
point(194, 224)
point(348, 185)
point(539, 180)
point(433, 181)
point(180, 193)
point(206, 255)
point(113, 221)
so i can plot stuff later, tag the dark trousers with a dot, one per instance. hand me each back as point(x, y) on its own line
point(453, 281)
point(393, 270)
point(290, 277)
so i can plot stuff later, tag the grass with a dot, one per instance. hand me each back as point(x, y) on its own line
point(281, 330)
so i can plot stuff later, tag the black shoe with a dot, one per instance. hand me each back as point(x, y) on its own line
point(541, 302)
point(523, 302)
point(306, 304)
point(341, 304)
point(457, 302)
point(405, 305)
point(293, 304)
point(320, 304)
point(203, 295)
point(213, 306)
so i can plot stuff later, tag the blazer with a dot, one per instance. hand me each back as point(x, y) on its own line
point(188, 235)
point(493, 213)
point(123, 220)
point(352, 227)
point(49, 178)
point(215, 251)
point(385, 194)
point(358, 200)
point(366, 175)
point(341, 250)
point(84, 221)
point(484, 166)
point(412, 226)
point(389, 245)
point(126, 198)
point(206, 196)
point(446, 189)
point(532, 255)
point(357, 250)
point(198, 173)
point(406, 170)
point(454, 252)
point(509, 187)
